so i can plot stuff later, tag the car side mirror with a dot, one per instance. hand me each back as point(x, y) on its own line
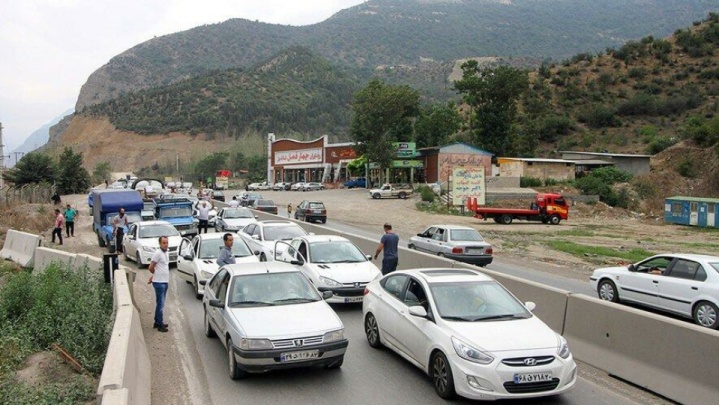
point(369, 257)
point(256, 237)
point(297, 262)
point(418, 311)
point(216, 304)
point(187, 257)
point(327, 295)
point(256, 253)
point(202, 282)
point(632, 267)
point(531, 306)
point(256, 216)
point(420, 234)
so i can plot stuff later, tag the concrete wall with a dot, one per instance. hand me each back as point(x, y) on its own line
point(495, 182)
point(19, 247)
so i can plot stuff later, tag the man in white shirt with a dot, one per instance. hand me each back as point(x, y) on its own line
point(160, 269)
point(234, 203)
point(203, 214)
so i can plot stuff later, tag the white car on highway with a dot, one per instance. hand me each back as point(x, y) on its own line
point(684, 284)
point(142, 239)
point(333, 263)
point(234, 219)
point(261, 236)
point(198, 258)
point(471, 335)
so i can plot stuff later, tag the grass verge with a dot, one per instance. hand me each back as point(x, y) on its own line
point(576, 249)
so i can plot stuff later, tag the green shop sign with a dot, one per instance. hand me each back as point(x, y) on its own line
point(405, 149)
point(417, 164)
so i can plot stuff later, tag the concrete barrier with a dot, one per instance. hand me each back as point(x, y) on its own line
point(671, 357)
point(44, 257)
point(127, 364)
point(20, 247)
point(116, 397)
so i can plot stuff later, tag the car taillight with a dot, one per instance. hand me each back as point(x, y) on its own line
point(457, 250)
point(488, 251)
point(366, 291)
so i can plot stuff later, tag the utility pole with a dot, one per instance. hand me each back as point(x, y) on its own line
point(17, 153)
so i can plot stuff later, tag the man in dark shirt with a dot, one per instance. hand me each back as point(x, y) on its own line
point(388, 243)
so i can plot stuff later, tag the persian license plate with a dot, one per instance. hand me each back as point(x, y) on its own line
point(316, 211)
point(525, 378)
point(475, 251)
point(298, 356)
point(353, 299)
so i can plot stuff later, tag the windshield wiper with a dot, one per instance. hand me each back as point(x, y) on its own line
point(296, 300)
point(238, 303)
point(456, 318)
point(345, 261)
point(497, 317)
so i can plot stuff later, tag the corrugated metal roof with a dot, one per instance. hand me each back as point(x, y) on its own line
point(606, 154)
point(694, 199)
point(541, 160)
point(458, 147)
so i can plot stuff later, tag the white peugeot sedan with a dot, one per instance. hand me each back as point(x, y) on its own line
point(263, 235)
point(197, 261)
point(234, 219)
point(470, 334)
point(269, 316)
point(333, 263)
point(142, 239)
point(684, 284)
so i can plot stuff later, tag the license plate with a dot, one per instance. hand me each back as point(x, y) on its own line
point(297, 356)
point(469, 250)
point(316, 211)
point(525, 378)
point(353, 299)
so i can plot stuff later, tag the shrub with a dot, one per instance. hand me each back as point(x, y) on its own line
point(599, 116)
point(611, 175)
point(529, 182)
point(660, 143)
point(686, 169)
point(426, 193)
point(645, 188)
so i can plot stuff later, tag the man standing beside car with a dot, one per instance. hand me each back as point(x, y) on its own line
point(388, 243)
point(226, 256)
point(203, 214)
point(160, 270)
point(118, 229)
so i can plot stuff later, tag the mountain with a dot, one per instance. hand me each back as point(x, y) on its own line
point(36, 140)
point(397, 32)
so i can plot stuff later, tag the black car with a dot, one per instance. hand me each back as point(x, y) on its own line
point(311, 211)
point(264, 205)
point(218, 195)
point(248, 198)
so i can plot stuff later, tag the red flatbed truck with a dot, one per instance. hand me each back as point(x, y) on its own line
point(547, 207)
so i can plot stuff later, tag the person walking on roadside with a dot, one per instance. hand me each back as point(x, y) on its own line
point(203, 214)
point(57, 229)
point(388, 243)
point(226, 256)
point(118, 229)
point(160, 270)
point(70, 214)
point(289, 210)
point(56, 198)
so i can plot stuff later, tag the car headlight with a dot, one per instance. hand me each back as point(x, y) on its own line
point(468, 352)
point(334, 336)
point(329, 282)
point(255, 344)
point(206, 274)
point(149, 249)
point(563, 350)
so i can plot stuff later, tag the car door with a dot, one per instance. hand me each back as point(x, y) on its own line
point(300, 213)
point(219, 220)
point(131, 241)
point(639, 285)
point(389, 306)
point(423, 241)
point(438, 240)
point(680, 285)
point(218, 290)
point(185, 268)
point(413, 332)
point(246, 234)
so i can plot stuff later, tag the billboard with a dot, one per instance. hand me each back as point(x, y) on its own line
point(468, 182)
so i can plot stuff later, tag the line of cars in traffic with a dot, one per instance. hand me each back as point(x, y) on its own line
point(286, 186)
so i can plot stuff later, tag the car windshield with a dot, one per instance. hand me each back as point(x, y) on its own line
point(469, 235)
point(238, 213)
point(132, 217)
point(155, 231)
point(286, 232)
point(266, 203)
point(316, 206)
point(210, 248)
point(476, 301)
point(175, 212)
point(148, 206)
point(335, 252)
point(271, 289)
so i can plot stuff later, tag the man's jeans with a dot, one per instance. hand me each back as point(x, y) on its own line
point(160, 293)
point(389, 264)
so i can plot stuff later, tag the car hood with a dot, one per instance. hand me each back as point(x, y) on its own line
point(362, 272)
point(172, 241)
point(240, 221)
point(210, 265)
point(285, 321)
point(611, 270)
point(506, 335)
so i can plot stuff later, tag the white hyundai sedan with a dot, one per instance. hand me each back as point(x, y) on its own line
point(471, 335)
point(333, 263)
point(142, 239)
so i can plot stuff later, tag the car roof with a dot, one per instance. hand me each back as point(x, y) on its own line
point(153, 222)
point(448, 226)
point(692, 256)
point(241, 269)
point(323, 238)
point(446, 275)
point(275, 223)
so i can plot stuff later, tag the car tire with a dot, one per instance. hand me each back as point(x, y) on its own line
point(607, 291)
point(336, 364)
point(263, 258)
point(376, 196)
point(235, 372)
point(411, 246)
point(371, 329)
point(324, 221)
point(402, 195)
point(209, 332)
point(555, 219)
point(196, 285)
point(706, 314)
point(125, 256)
point(505, 219)
point(442, 378)
point(100, 241)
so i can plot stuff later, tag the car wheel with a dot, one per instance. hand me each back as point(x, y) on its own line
point(100, 241)
point(125, 256)
point(402, 195)
point(263, 258)
point(371, 329)
point(337, 364)
point(324, 221)
point(411, 246)
point(607, 291)
point(209, 332)
point(376, 196)
point(235, 372)
point(555, 219)
point(197, 288)
point(138, 260)
point(706, 314)
point(442, 376)
point(505, 219)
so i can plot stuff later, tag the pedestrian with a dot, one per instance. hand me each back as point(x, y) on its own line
point(388, 243)
point(119, 222)
point(107, 184)
point(70, 214)
point(203, 214)
point(226, 256)
point(289, 210)
point(57, 230)
point(234, 203)
point(55, 198)
point(160, 270)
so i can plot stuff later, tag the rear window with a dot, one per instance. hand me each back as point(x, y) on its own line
point(317, 206)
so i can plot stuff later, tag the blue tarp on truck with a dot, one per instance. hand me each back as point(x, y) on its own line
point(107, 204)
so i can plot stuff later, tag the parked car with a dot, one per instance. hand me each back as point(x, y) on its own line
point(269, 316)
point(683, 284)
point(197, 261)
point(264, 205)
point(247, 198)
point(313, 186)
point(280, 186)
point(455, 242)
point(218, 195)
point(333, 263)
point(264, 186)
point(463, 329)
point(298, 186)
point(142, 239)
point(359, 182)
point(311, 211)
point(234, 219)
point(263, 234)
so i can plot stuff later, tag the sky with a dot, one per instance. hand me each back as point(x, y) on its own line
point(48, 48)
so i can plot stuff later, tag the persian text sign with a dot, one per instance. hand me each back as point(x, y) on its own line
point(468, 183)
point(298, 156)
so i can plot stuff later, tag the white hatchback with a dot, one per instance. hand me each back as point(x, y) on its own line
point(142, 239)
point(471, 335)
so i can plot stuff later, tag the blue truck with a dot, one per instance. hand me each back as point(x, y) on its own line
point(178, 212)
point(106, 205)
point(359, 182)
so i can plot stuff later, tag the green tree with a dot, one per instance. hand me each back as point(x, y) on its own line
point(72, 178)
point(101, 172)
point(493, 95)
point(210, 164)
point(257, 168)
point(238, 162)
point(436, 124)
point(33, 167)
point(382, 114)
